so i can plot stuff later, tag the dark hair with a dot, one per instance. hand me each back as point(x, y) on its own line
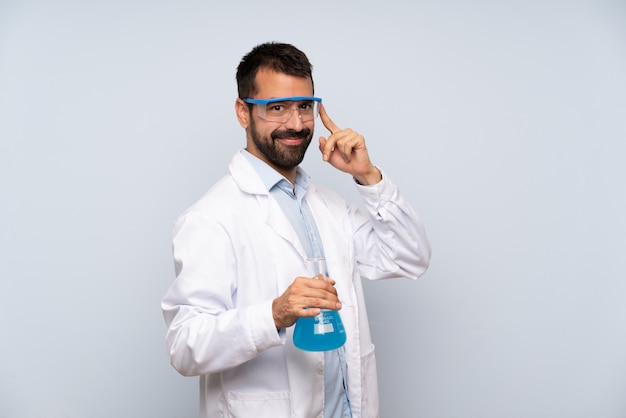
point(279, 57)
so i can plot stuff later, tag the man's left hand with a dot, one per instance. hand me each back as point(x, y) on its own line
point(345, 150)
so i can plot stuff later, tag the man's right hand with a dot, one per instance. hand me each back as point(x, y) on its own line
point(303, 298)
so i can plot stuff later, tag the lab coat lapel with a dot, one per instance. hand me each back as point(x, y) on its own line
point(278, 222)
point(249, 182)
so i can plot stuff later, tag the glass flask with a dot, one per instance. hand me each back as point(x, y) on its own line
point(322, 332)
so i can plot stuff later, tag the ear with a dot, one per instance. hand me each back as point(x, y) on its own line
point(243, 115)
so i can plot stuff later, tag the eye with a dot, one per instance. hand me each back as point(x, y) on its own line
point(306, 105)
point(276, 107)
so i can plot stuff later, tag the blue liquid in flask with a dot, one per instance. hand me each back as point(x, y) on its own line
point(319, 333)
point(322, 332)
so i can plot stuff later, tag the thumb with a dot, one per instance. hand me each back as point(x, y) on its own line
point(327, 147)
point(322, 145)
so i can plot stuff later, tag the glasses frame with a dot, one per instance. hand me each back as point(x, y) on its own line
point(282, 99)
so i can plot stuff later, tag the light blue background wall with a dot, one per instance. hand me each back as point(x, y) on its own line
point(503, 123)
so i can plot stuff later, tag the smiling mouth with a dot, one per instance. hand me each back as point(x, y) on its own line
point(295, 140)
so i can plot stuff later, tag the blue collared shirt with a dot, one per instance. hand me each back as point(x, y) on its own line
point(290, 197)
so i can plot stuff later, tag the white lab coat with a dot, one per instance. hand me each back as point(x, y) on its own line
point(235, 251)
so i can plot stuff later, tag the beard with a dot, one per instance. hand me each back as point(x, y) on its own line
point(277, 153)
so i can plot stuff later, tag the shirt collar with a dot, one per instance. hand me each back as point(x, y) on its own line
point(272, 178)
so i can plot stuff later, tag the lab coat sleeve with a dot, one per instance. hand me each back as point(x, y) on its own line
point(207, 332)
point(390, 239)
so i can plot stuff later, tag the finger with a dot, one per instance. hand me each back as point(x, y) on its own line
point(322, 304)
point(311, 286)
point(327, 121)
point(327, 146)
point(347, 144)
point(308, 312)
point(326, 291)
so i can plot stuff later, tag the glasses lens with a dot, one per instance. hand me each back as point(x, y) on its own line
point(282, 111)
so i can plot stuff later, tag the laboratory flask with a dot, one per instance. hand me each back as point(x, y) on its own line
point(322, 332)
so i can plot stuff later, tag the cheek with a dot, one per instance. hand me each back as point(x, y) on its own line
point(260, 130)
point(311, 127)
point(264, 131)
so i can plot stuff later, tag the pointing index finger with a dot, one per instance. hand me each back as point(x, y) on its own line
point(327, 121)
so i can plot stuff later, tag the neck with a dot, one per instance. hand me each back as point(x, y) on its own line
point(288, 173)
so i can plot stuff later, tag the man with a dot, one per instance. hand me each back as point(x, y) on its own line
point(240, 253)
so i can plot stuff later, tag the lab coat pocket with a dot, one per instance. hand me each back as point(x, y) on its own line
point(369, 384)
point(259, 405)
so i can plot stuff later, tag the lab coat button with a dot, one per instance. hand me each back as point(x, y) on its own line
point(320, 368)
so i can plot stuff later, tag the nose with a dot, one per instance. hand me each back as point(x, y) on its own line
point(295, 120)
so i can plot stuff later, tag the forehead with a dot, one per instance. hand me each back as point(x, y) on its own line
point(271, 84)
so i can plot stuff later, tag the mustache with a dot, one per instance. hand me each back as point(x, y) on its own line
point(290, 133)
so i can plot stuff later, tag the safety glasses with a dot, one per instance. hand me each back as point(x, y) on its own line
point(281, 109)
